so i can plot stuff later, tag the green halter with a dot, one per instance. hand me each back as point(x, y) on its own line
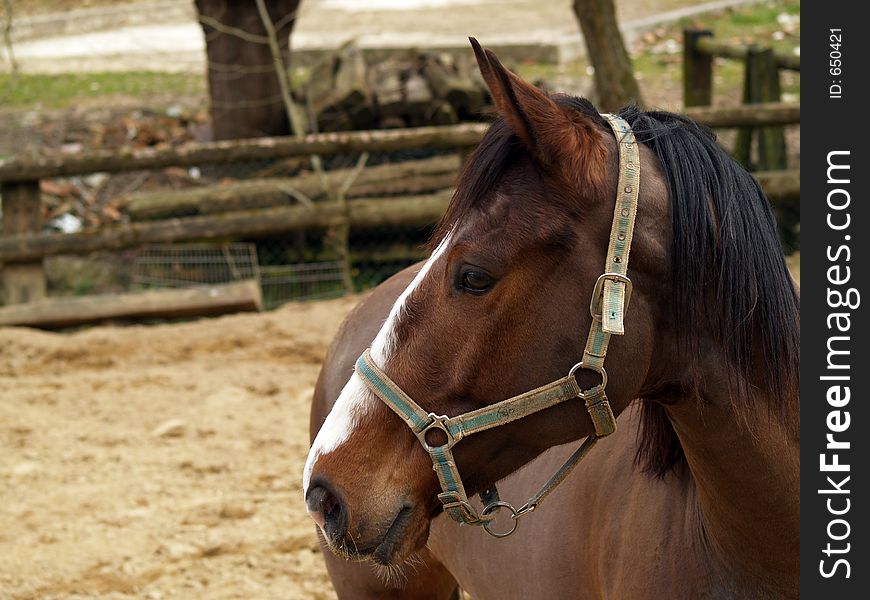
point(610, 299)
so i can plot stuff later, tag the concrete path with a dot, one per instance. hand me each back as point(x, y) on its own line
point(542, 30)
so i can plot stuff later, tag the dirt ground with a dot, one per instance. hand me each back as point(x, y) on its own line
point(161, 461)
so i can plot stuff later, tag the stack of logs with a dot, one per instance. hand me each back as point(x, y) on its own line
point(402, 180)
point(345, 93)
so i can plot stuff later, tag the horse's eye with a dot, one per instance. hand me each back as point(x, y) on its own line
point(476, 282)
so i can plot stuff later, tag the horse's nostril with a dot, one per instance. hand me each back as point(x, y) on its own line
point(329, 505)
point(326, 509)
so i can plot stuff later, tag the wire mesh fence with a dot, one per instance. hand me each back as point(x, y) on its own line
point(293, 267)
point(169, 266)
point(186, 265)
point(190, 265)
point(303, 281)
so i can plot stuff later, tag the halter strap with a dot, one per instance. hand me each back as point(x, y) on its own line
point(453, 497)
point(610, 298)
point(612, 291)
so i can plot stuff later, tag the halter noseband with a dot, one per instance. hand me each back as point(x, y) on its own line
point(610, 299)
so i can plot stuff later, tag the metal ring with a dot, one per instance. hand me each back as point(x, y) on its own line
point(600, 370)
point(494, 507)
point(439, 422)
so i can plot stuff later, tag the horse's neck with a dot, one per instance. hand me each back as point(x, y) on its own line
point(746, 472)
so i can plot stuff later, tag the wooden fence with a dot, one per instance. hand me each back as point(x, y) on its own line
point(760, 85)
point(23, 247)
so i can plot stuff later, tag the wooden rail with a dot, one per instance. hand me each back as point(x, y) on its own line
point(405, 178)
point(415, 210)
point(767, 113)
point(195, 302)
point(713, 47)
point(22, 248)
point(781, 187)
point(24, 169)
point(188, 155)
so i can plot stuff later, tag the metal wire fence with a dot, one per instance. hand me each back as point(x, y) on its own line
point(186, 265)
point(190, 265)
point(303, 281)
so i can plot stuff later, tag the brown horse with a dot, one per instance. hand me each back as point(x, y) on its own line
point(695, 495)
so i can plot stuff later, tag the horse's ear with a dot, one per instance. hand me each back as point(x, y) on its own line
point(553, 135)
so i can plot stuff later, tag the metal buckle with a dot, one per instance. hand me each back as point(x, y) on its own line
point(438, 422)
point(601, 373)
point(468, 510)
point(495, 507)
point(598, 290)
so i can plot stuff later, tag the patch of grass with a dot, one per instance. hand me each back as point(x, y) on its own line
point(654, 66)
point(762, 14)
point(533, 71)
point(65, 90)
point(77, 276)
point(658, 66)
point(757, 23)
point(752, 23)
point(39, 7)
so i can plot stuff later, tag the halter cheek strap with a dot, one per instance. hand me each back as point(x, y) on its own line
point(610, 297)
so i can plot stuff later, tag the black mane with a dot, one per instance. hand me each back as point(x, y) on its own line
point(725, 254)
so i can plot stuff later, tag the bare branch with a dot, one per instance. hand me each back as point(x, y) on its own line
point(284, 83)
point(230, 30)
point(298, 195)
point(338, 235)
point(316, 163)
point(360, 165)
point(280, 68)
point(285, 20)
point(7, 36)
point(10, 53)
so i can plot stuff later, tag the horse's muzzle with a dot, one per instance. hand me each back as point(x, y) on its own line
point(326, 507)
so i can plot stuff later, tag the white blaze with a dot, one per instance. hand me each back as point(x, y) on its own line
point(355, 399)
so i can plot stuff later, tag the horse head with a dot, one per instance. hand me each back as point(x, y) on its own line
point(501, 306)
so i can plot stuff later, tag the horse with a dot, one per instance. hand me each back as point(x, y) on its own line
point(696, 493)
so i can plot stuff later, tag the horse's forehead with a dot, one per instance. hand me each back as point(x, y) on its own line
point(509, 206)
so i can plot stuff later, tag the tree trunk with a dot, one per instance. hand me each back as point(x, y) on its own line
point(614, 78)
point(243, 87)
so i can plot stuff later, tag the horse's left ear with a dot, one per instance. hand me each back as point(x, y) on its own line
point(556, 137)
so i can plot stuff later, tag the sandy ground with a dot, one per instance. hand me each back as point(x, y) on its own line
point(97, 501)
point(163, 461)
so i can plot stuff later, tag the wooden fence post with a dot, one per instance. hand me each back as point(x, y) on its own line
point(24, 281)
point(743, 145)
point(339, 236)
point(697, 70)
point(761, 84)
point(771, 140)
